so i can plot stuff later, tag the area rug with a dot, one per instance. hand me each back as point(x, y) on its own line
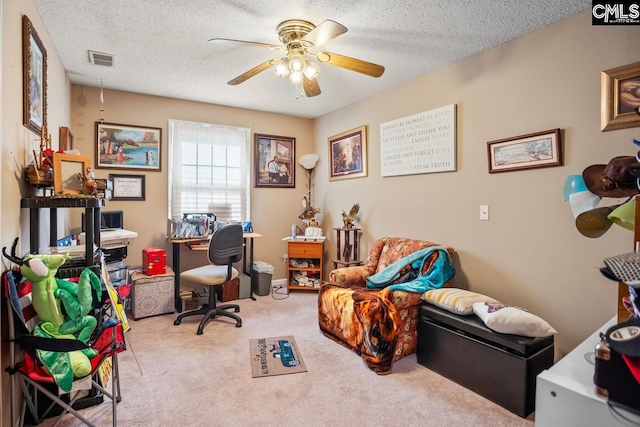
point(275, 356)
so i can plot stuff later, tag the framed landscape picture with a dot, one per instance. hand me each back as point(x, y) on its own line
point(531, 151)
point(127, 147)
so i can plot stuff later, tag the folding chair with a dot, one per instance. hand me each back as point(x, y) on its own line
point(33, 378)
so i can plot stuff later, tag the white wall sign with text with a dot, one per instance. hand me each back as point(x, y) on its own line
point(422, 143)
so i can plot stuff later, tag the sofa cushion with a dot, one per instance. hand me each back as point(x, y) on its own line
point(473, 326)
point(455, 300)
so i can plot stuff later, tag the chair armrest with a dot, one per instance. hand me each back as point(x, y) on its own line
point(349, 277)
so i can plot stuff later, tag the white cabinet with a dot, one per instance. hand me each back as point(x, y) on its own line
point(565, 393)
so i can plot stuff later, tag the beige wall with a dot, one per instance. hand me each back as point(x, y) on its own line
point(273, 210)
point(529, 253)
point(18, 141)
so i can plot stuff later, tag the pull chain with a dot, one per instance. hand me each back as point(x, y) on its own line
point(101, 102)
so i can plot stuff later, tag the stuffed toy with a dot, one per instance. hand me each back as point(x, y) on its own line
point(49, 295)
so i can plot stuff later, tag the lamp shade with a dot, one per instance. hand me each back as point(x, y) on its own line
point(573, 184)
point(624, 215)
point(312, 70)
point(583, 201)
point(309, 161)
point(281, 69)
point(594, 223)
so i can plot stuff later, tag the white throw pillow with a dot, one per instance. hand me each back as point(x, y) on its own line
point(455, 300)
point(512, 320)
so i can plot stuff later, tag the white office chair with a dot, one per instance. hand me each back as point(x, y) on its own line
point(225, 248)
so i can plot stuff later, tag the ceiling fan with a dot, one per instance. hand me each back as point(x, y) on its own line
point(298, 37)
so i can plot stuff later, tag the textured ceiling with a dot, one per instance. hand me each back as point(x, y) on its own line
point(161, 47)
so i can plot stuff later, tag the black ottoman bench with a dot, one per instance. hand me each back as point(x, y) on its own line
point(500, 367)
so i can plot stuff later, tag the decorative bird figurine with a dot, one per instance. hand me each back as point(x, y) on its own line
point(349, 218)
point(90, 185)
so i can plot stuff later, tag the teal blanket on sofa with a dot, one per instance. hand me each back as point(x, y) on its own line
point(441, 271)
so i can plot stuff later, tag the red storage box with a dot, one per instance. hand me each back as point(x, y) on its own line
point(154, 261)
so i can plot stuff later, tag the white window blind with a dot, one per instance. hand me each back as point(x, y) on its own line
point(208, 170)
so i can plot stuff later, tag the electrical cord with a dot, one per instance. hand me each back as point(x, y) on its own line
point(279, 290)
point(616, 413)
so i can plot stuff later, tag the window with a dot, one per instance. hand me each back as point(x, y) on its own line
point(209, 170)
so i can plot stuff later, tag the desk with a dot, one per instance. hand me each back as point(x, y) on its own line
point(194, 246)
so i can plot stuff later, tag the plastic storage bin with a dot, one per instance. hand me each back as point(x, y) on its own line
point(262, 273)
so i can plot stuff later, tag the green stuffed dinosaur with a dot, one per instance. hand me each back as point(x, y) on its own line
point(49, 294)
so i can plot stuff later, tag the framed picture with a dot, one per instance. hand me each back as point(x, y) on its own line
point(348, 154)
point(620, 88)
point(66, 139)
point(127, 147)
point(34, 79)
point(127, 187)
point(274, 161)
point(68, 172)
point(535, 150)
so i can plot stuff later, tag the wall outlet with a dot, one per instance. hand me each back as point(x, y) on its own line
point(484, 212)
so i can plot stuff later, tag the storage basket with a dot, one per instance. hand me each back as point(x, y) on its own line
point(152, 295)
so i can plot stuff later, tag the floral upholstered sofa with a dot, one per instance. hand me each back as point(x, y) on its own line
point(378, 324)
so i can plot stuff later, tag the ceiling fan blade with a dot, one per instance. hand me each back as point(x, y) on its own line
point(324, 32)
point(311, 87)
point(243, 42)
point(252, 72)
point(358, 65)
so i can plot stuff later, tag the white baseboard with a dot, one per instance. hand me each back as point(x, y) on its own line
point(278, 283)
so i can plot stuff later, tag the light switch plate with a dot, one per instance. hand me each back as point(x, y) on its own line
point(484, 212)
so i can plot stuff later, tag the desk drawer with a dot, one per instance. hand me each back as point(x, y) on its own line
point(305, 250)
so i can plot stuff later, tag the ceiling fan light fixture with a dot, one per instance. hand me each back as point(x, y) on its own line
point(296, 77)
point(312, 70)
point(297, 63)
point(282, 69)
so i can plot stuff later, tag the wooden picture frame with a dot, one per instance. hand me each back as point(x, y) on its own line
point(620, 96)
point(66, 139)
point(531, 151)
point(128, 187)
point(34, 79)
point(348, 154)
point(66, 168)
point(129, 147)
point(274, 159)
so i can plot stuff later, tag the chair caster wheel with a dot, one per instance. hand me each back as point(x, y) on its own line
point(199, 332)
point(238, 324)
point(176, 322)
point(237, 310)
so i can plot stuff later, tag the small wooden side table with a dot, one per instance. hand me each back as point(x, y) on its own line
point(347, 248)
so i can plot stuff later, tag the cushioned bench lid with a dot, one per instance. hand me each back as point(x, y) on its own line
point(473, 326)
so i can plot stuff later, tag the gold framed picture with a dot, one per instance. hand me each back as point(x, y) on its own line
point(620, 98)
point(348, 154)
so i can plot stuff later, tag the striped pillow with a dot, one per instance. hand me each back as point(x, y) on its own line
point(458, 301)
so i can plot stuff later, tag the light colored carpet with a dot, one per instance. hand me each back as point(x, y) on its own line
point(173, 377)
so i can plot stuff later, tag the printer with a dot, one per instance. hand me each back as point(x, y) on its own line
point(114, 241)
